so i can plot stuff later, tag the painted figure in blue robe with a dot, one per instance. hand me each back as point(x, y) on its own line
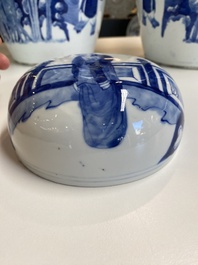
point(185, 11)
point(34, 20)
point(100, 98)
point(149, 8)
point(79, 13)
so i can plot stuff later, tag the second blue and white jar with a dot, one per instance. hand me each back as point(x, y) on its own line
point(169, 31)
point(38, 30)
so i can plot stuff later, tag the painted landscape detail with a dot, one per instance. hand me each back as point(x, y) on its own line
point(34, 20)
point(185, 11)
point(102, 87)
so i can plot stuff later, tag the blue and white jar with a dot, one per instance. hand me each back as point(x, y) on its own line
point(169, 31)
point(38, 30)
point(95, 120)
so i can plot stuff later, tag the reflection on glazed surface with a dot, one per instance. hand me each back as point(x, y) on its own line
point(102, 107)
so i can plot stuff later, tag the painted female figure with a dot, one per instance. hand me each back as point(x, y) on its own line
point(100, 99)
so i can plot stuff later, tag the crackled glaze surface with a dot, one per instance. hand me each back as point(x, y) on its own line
point(94, 120)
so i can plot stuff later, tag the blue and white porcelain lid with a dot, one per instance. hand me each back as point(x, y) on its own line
point(125, 116)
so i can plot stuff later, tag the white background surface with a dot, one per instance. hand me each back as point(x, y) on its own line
point(153, 221)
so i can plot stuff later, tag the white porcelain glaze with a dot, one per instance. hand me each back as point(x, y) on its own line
point(169, 31)
point(95, 120)
point(38, 31)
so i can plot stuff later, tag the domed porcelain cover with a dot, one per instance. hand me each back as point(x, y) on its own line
point(95, 120)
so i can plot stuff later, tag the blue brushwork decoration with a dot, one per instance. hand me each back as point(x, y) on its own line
point(149, 8)
point(185, 11)
point(23, 21)
point(100, 101)
point(101, 86)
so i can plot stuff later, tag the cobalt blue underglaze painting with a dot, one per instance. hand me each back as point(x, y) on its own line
point(185, 11)
point(149, 8)
point(23, 21)
point(101, 86)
